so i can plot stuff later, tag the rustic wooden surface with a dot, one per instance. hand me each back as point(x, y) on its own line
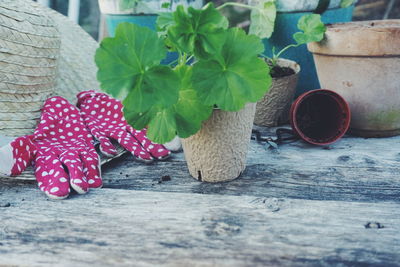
point(298, 205)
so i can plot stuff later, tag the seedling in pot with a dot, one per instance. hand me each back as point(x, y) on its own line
point(312, 29)
point(226, 72)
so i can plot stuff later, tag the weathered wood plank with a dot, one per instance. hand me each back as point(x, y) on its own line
point(125, 227)
point(353, 169)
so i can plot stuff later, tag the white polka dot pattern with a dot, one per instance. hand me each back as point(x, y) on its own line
point(104, 118)
point(24, 150)
point(62, 149)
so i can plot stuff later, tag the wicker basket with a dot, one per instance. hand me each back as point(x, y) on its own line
point(29, 51)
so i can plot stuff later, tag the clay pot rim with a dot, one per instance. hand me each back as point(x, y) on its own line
point(373, 38)
point(339, 99)
point(283, 62)
point(389, 24)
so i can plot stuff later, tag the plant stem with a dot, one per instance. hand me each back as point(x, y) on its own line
point(189, 58)
point(265, 56)
point(235, 4)
point(284, 49)
point(173, 62)
point(182, 59)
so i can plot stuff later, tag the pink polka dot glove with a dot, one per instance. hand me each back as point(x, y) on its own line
point(17, 155)
point(66, 157)
point(104, 118)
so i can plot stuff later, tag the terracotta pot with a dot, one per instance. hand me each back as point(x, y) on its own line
point(320, 117)
point(289, 13)
point(361, 62)
point(218, 151)
point(273, 108)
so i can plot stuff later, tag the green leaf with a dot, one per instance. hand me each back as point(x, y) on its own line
point(166, 5)
point(235, 77)
point(159, 85)
point(139, 120)
point(162, 127)
point(190, 112)
point(346, 3)
point(184, 118)
point(197, 31)
point(128, 68)
point(160, 122)
point(164, 20)
point(313, 29)
point(263, 18)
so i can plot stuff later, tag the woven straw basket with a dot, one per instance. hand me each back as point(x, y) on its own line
point(29, 48)
point(42, 53)
point(34, 41)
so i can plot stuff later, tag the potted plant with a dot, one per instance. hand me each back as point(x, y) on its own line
point(360, 61)
point(273, 108)
point(209, 103)
point(288, 13)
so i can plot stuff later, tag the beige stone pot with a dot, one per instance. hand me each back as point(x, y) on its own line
point(273, 108)
point(361, 62)
point(218, 151)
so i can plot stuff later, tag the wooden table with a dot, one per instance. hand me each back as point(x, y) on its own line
point(298, 205)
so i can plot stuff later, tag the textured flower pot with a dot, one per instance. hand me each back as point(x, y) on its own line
point(361, 62)
point(218, 151)
point(320, 117)
point(273, 108)
point(289, 12)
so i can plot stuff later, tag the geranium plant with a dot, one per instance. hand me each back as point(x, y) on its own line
point(174, 100)
point(225, 69)
point(312, 29)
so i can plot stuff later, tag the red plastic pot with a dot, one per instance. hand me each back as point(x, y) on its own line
point(320, 117)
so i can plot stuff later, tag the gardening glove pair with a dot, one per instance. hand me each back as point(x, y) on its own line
point(60, 140)
point(48, 146)
point(105, 120)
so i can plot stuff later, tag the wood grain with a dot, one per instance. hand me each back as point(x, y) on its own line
point(125, 228)
point(353, 169)
point(298, 205)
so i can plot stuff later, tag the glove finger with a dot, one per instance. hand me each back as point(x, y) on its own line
point(91, 168)
point(8, 164)
point(106, 147)
point(51, 176)
point(17, 155)
point(128, 142)
point(82, 96)
point(174, 145)
point(77, 178)
point(156, 150)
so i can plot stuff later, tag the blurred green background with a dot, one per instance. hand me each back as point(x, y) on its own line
point(89, 17)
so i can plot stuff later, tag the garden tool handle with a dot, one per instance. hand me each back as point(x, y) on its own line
point(280, 138)
point(290, 135)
